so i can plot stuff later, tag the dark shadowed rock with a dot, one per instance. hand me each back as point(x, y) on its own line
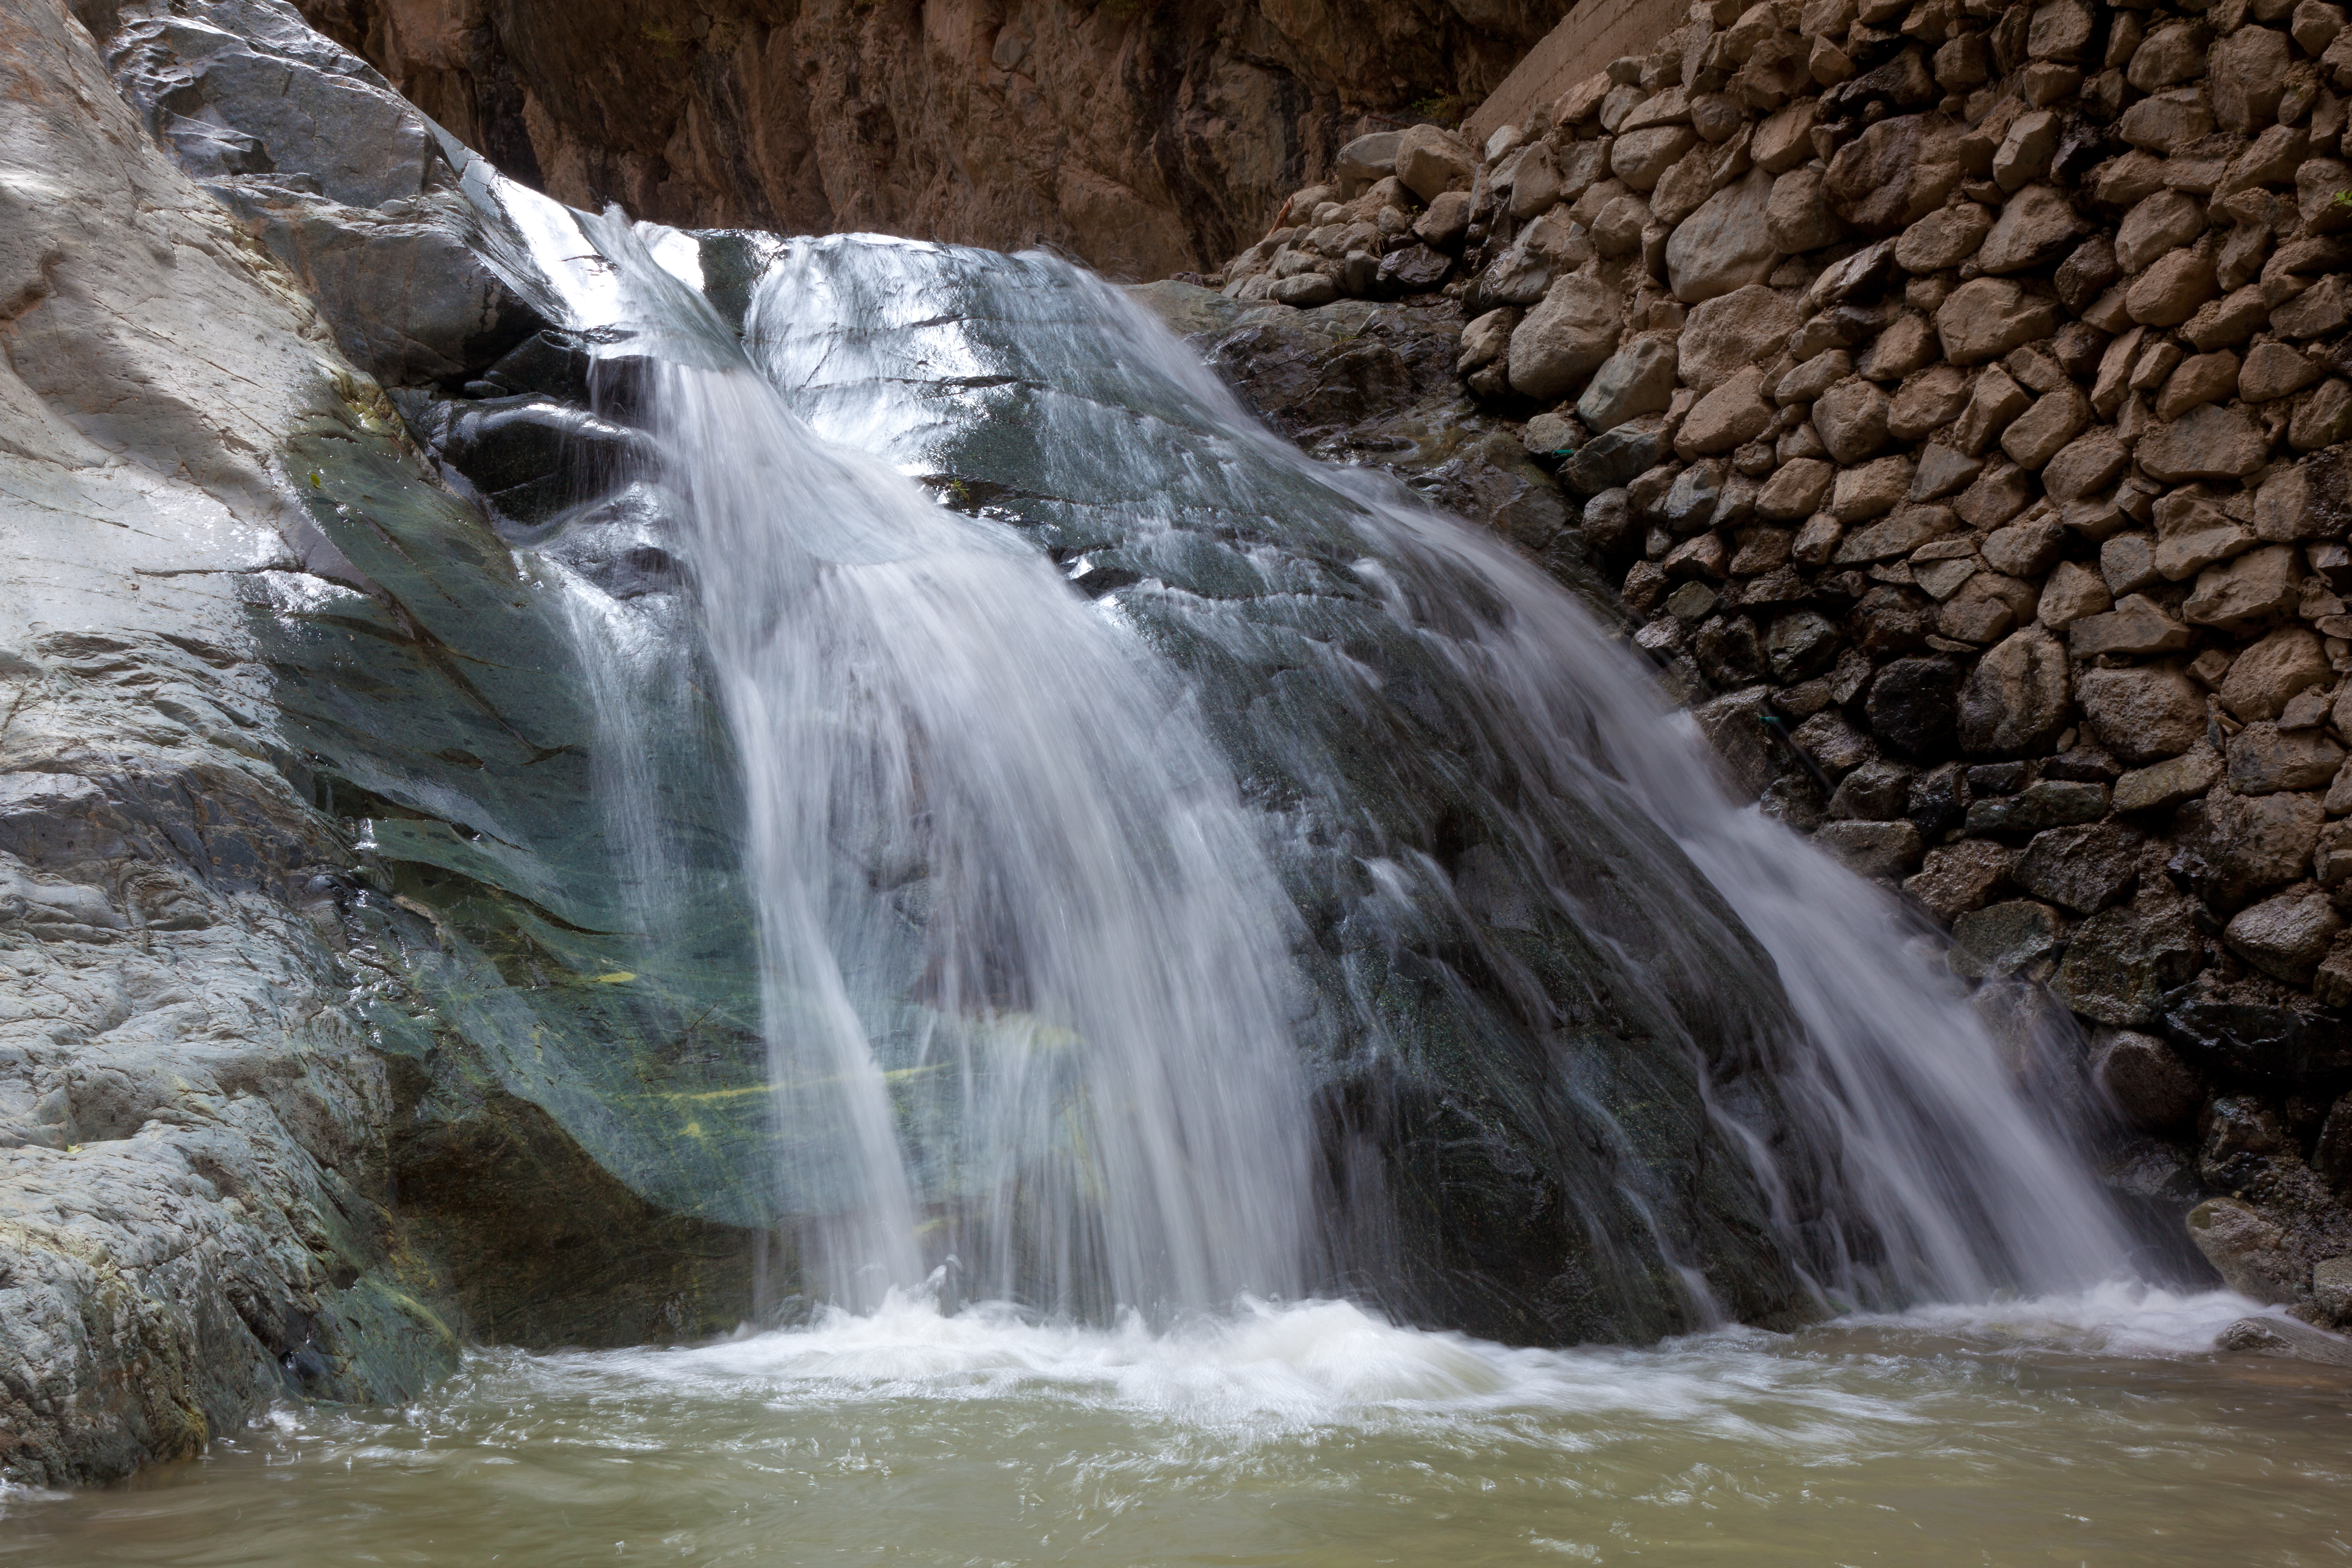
point(1614, 459)
point(1879, 790)
point(2264, 759)
point(2254, 1040)
point(2165, 784)
point(2154, 1089)
point(2044, 803)
point(2002, 939)
point(2017, 697)
point(530, 457)
point(1914, 706)
point(2142, 715)
point(2245, 845)
point(1987, 318)
point(1938, 801)
point(1637, 379)
point(2084, 869)
point(407, 297)
point(1958, 877)
point(1800, 644)
point(2121, 962)
point(1872, 848)
point(1893, 175)
point(2285, 937)
point(2037, 224)
point(1415, 269)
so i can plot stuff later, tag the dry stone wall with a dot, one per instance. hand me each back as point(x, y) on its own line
point(1956, 392)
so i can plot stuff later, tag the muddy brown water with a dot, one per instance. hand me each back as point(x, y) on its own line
point(2086, 1432)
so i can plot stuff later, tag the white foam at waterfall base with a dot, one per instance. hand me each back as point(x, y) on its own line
point(2117, 1318)
point(1276, 1368)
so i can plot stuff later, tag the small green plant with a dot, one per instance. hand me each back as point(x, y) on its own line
point(1445, 108)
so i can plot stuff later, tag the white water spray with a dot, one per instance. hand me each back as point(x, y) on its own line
point(1027, 988)
point(1028, 993)
point(1962, 1186)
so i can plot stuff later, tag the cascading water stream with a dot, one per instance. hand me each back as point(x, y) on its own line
point(1028, 991)
point(1966, 1188)
point(1031, 995)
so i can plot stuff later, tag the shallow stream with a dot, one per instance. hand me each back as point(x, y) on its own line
point(2092, 1430)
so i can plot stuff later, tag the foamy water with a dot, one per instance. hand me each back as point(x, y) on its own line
point(1270, 1367)
point(2092, 1428)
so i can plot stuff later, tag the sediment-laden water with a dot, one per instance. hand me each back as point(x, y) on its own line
point(2093, 1430)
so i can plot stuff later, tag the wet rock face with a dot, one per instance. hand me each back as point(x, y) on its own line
point(1140, 139)
point(2026, 382)
point(189, 1213)
point(257, 1136)
point(339, 176)
point(1456, 1155)
point(1375, 383)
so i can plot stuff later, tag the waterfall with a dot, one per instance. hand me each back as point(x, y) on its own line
point(1965, 1187)
point(1027, 983)
point(1095, 828)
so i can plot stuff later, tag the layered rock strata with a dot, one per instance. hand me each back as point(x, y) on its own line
point(1954, 395)
point(1140, 139)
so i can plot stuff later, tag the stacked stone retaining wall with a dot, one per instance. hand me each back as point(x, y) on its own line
point(1958, 390)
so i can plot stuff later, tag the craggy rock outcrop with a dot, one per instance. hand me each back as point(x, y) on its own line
point(307, 1068)
point(1959, 391)
point(1142, 138)
point(1373, 382)
point(341, 1031)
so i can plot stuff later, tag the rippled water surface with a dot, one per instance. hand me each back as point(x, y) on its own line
point(2088, 1431)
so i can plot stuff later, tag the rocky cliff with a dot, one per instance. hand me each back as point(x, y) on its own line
point(313, 1061)
point(1954, 394)
point(1140, 138)
point(341, 1031)
point(1952, 397)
